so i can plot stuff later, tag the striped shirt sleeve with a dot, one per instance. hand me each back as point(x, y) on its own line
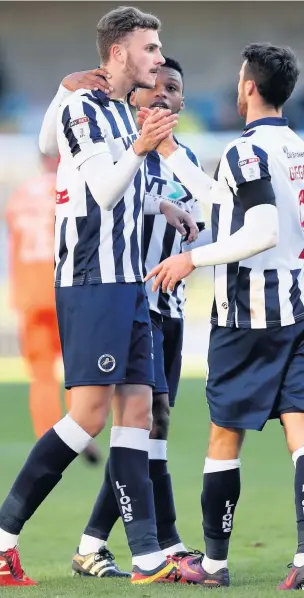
point(247, 162)
point(83, 129)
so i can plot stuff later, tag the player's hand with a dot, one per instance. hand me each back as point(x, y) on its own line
point(167, 146)
point(95, 80)
point(181, 220)
point(171, 271)
point(157, 126)
point(141, 115)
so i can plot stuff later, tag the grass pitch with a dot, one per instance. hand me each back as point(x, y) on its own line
point(264, 535)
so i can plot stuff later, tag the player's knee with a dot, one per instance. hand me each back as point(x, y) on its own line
point(90, 408)
point(225, 443)
point(143, 418)
point(294, 430)
point(92, 423)
point(161, 417)
point(132, 406)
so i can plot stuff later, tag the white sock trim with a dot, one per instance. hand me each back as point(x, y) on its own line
point(298, 453)
point(212, 566)
point(132, 438)
point(157, 449)
point(214, 465)
point(72, 434)
point(89, 544)
point(174, 548)
point(298, 560)
point(7, 540)
point(148, 562)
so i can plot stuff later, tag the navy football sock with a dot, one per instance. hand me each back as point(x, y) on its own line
point(105, 512)
point(221, 491)
point(42, 471)
point(129, 470)
point(299, 497)
point(163, 495)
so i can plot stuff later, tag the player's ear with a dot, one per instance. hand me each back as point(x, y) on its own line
point(132, 99)
point(182, 106)
point(250, 87)
point(118, 53)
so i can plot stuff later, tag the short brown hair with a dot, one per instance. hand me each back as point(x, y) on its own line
point(117, 23)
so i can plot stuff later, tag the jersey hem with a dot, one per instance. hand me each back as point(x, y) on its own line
point(97, 280)
point(102, 383)
point(257, 325)
point(168, 314)
point(233, 424)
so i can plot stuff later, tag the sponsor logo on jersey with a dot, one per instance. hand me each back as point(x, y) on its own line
point(79, 121)
point(62, 196)
point(291, 155)
point(242, 163)
point(296, 173)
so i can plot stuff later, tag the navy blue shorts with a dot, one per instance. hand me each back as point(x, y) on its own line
point(255, 375)
point(106, 334)
point(167, 349)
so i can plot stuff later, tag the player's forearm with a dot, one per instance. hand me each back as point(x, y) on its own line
point(194, 178)
point(259, 233)
point(154, 205)
point(108, 182)
point(48, 133)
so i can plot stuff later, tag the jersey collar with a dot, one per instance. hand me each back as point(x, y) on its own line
point(104, 98)
point(273, 121)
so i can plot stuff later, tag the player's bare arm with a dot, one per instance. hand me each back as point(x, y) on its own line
point(95, 79)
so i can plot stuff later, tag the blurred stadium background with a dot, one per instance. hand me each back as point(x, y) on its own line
point(40, 42)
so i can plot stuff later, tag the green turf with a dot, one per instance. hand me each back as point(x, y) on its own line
point(264, 535)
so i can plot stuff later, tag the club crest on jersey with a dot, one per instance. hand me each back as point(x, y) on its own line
point(106, 363)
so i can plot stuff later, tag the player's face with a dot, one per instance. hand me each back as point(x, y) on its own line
point(143, 58)
point(167, 93)
point(242, 102)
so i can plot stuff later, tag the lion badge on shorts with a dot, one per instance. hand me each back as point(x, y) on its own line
point(106, 363)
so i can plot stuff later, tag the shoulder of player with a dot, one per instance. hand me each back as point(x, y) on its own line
point(81, 96)
point(247, 147)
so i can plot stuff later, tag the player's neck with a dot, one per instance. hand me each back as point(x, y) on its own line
point(120, 83)
point(258, 112)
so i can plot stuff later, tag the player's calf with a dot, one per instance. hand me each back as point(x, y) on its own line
point(161, 416)
point(168, 537)
point(293, 426)
point(221, 490)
